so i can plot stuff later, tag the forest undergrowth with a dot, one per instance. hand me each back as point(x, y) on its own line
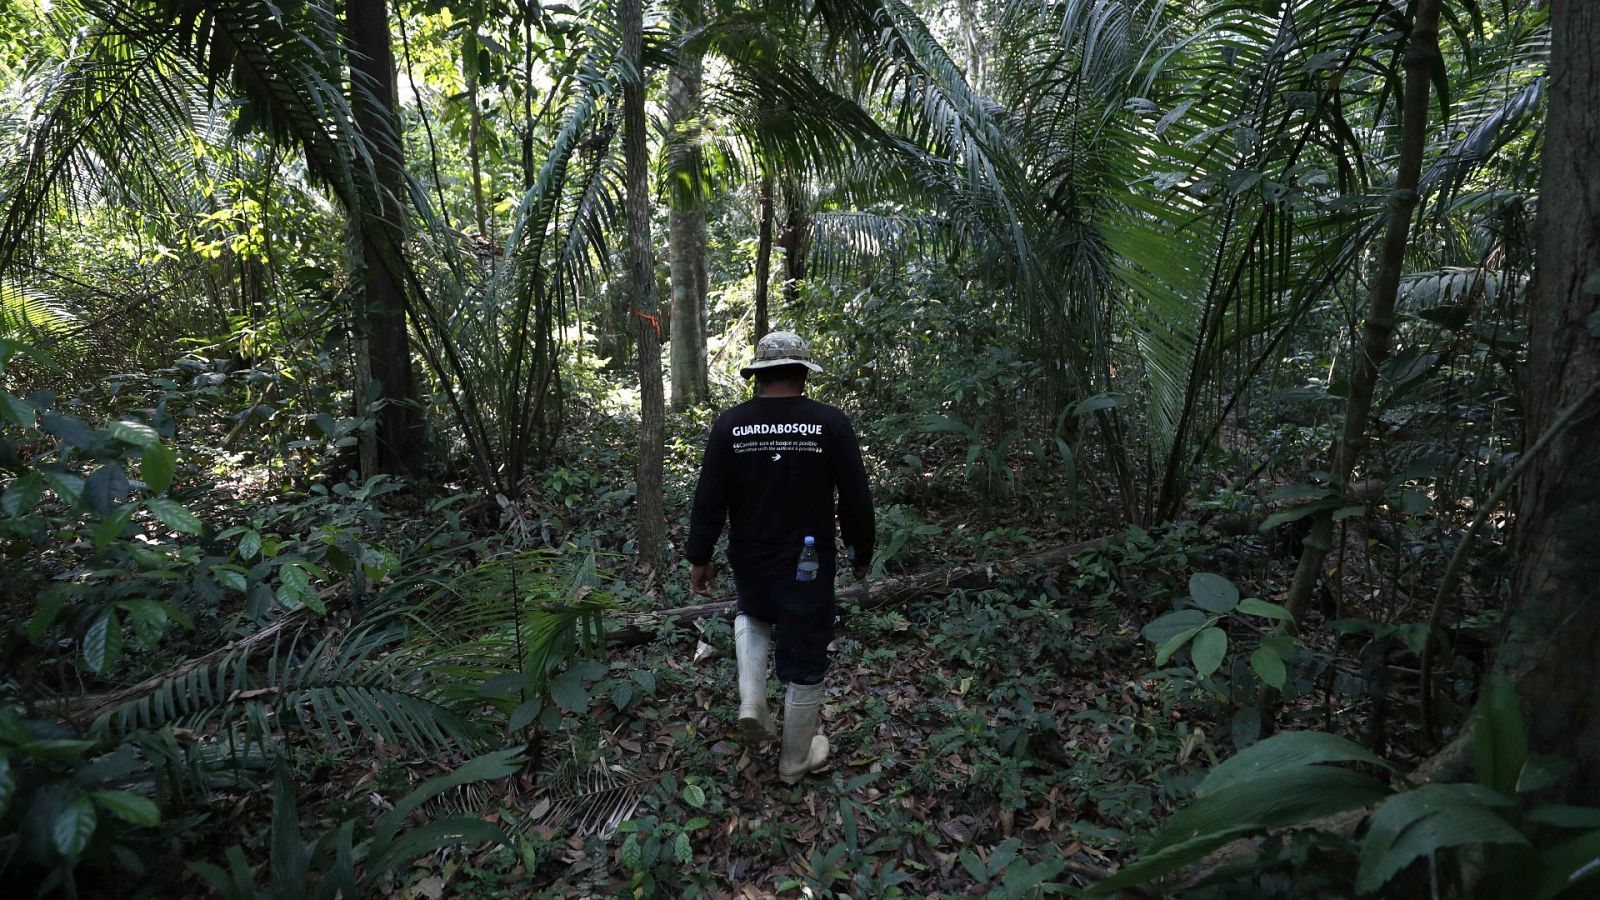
point(1002, 739)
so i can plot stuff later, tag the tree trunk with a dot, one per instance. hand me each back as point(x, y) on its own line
point(382, 313)
point(796, 240)
point(763, 255)
point(702, 290)
point(1422, 49)
point(1555, 631)
point(972, 33)
point(652, 412)
point(469, 65)
point(686, 235)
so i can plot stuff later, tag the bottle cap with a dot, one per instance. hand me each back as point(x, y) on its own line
point(810, 540)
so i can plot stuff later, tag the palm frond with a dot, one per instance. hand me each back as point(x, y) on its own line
point(590, 795)
point(341, 691)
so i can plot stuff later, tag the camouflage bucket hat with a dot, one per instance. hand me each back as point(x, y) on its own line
point(781, 348)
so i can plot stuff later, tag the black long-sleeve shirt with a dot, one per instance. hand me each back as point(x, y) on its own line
point(771, 467)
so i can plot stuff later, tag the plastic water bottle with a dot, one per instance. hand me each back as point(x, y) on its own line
point(807, 570)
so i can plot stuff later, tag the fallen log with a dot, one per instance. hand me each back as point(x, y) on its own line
point(644, 628)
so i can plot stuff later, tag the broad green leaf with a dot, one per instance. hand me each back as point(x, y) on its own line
point(1212, 592)
point(1348, 512)
point(1174, 644)
point(70, 430)
point(106, 487)
point(1565, 816)
point(295, 588)
point(1166, 861)
point(1414, 503)
point(1499, 742)
point(1540, 772)
point(45, 612)
point(68, 487)
point(135, 433)
point(23, 495)
point(1269, 665)
point(936, 423)
point(130, 808)
point(681, 849)
point(1255, 606)
point(249, 544)
point(173, 515)
point(17, 411)
point(1572, 864)
point(1209, 646)
point(113, 525)
point(1174, 623)
point(230, 577)
point(568, 692)
point(73, 827)
point(694, 795)
point(436, 836)
point(1295, 513)
point(632, 856)
point(525, 714)
point(1418, 822)
point(506, 684)
point(1097, 403)
point(95, 642)
point(156, 465)
point(1281, 752)
point(1272, 800)
point(490, 766)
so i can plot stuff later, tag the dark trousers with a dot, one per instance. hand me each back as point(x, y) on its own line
point(802, 614)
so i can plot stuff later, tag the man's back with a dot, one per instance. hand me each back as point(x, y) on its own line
point(771, 466)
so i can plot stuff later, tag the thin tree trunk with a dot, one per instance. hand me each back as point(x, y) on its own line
point(469, 64)
point(685, 235)
point(702, 290)
point(796, 240)
point(652, 411)
point(1423, 48)
point(972, 34)
point(763, 254)
point(1555, 629)
point(382, 313)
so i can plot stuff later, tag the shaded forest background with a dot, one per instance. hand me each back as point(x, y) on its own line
point(1225, 371)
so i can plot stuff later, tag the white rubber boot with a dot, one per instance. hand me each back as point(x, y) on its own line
point(751, 641)
point(803, 749)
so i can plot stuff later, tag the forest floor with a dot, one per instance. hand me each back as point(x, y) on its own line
point(986, 742)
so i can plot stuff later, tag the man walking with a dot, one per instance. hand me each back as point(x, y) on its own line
point(771, 468)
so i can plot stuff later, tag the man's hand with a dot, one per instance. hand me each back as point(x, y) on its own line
point(703, 578)
point(860, 571)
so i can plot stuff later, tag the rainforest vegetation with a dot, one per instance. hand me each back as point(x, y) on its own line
point(1226, 373)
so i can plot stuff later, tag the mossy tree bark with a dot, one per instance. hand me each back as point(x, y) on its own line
point(1554, 639)
point(686, 235)
point(652, 523)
